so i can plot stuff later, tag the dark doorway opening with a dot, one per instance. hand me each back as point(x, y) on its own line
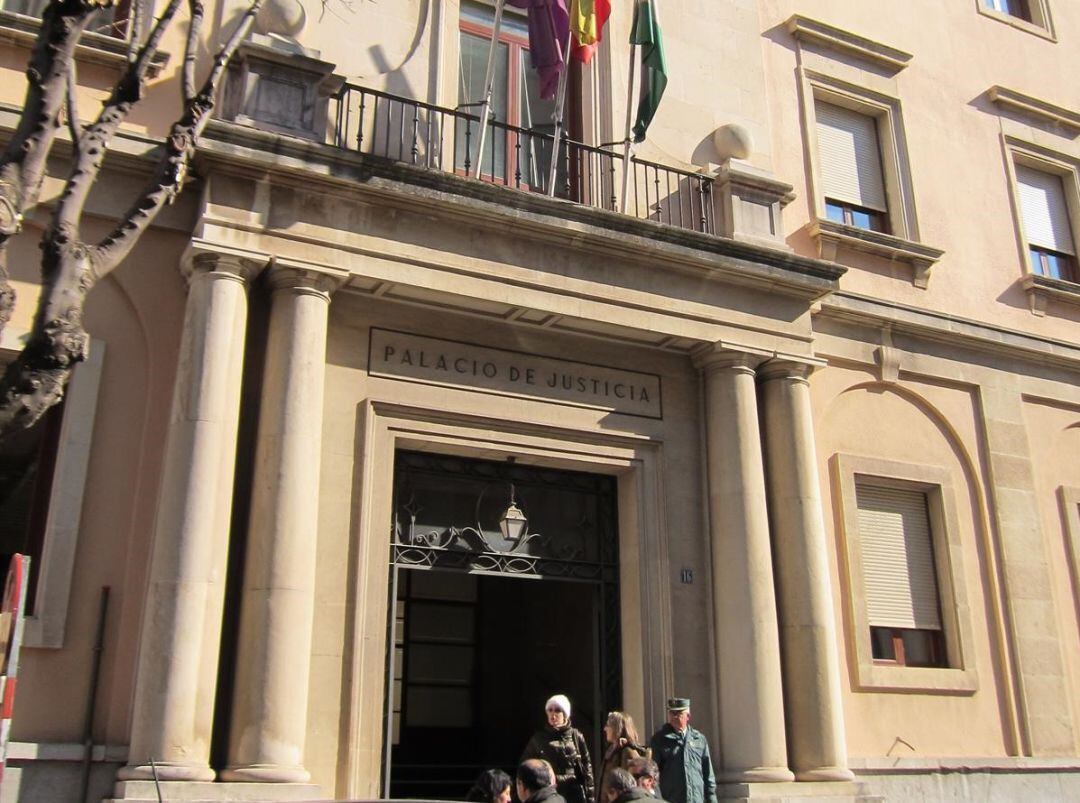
point(486, 629)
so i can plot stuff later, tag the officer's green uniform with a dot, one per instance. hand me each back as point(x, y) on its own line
point(686, 770)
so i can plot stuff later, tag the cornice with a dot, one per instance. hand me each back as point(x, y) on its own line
point(952, 329)
point(837, 39)
point(1035, 107)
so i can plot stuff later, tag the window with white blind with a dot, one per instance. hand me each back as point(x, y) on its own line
point(1032, 16)
point(852, 179)
point(1044, 211)
point(903, 605)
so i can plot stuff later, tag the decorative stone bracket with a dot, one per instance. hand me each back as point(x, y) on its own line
point(1041, 289)
point(832, 236)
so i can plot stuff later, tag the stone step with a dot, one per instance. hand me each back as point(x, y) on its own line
point(198, 792)
point(801, 792)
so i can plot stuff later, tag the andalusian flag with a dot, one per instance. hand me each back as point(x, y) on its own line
point(645, 33)
point(587, 18)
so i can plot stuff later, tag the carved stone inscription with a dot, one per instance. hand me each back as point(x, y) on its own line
point(447, 362)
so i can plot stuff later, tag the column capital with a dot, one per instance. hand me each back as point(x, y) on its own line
point(789, 368)
point(201, 257)
point(285, 274)
point(718, 356)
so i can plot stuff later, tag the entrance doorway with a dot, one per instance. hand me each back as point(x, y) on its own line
point(487, 627)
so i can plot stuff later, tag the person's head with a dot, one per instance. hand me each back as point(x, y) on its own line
point(645, 772)
point(619, 783)
point(678, 713)
point(533, 775)
point(557, 709)
point(493, 786)
point(620, 725)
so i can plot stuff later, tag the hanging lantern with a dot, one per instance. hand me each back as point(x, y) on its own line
point(513, 521)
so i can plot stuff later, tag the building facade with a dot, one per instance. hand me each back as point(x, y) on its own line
point(396, 424)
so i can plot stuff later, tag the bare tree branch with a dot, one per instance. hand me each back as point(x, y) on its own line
point(190, 48)
point(22, 165)
point(58, 341)
point(72, 113)
point(97, 138)
point(168, 178)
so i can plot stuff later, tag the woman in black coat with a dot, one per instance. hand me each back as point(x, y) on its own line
point(564, 748)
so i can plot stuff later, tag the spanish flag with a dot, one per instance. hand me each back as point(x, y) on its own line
point(587, 18)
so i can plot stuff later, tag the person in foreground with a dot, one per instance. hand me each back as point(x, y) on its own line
point(622, 788)
point(682, 754)
point(493, 786)
point(536, 782)
point(564, 748)
point(647, 775)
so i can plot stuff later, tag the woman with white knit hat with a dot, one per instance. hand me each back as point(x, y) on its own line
point(564, 748)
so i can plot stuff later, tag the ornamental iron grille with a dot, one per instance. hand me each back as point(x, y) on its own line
point(447, 511)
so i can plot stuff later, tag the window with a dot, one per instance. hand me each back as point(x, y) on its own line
point(110, 21)
point(1014, 8)
point(515, 99)
point(853, 184)
point(903, 606)
point(1032, 16)
point(861, 190)
point(1045, 214)
point(908, 624)
point(42, 479)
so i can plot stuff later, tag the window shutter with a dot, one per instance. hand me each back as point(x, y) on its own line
point(850, 157)
point(897, 558)
point(1044, 210)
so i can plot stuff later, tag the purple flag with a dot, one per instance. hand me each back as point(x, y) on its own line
point(549, 30)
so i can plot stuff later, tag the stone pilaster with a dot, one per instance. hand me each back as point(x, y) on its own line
point(812, 705)
point(273, 663)
point(181, 625)
point(748, 648)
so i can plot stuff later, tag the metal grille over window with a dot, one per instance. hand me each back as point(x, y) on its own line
point(897, 558)
point(850, 157)
point(1044, 210)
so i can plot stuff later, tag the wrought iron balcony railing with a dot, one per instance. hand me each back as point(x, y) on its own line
point(380, 124)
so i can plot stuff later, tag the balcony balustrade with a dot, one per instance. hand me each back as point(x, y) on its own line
point(379, 124)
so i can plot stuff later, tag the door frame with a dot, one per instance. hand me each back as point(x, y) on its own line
point(644, 574)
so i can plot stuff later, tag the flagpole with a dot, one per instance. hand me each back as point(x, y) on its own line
point(626, 138)
point(560, 107)
point(489, 83)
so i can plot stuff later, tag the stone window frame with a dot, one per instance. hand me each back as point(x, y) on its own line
point(902, 243)
point(47, 627)
point(1042, 21)
point(1038, 287)
point(1070, 512)
point(961, 676)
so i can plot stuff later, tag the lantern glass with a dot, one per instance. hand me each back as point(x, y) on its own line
point(513, 523)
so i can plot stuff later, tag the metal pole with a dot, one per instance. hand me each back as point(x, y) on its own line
point(95, 671)
point(560, 107)
point(626, 138)
point(157, 783)
point(489, 82)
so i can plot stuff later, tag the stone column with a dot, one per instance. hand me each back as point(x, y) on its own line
point(181, 626)
point(813, 707)
point(748, 660)
point(273, 661)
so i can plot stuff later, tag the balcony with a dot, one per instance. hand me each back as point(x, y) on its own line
point(382, 125)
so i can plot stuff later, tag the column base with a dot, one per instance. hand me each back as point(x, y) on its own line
point(190, 792)
point(825, 774)
point(265, 773)
point(757, 775)
point(830, 792)
point(166, 771)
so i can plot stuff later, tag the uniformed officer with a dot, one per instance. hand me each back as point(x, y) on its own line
point(682, 754)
